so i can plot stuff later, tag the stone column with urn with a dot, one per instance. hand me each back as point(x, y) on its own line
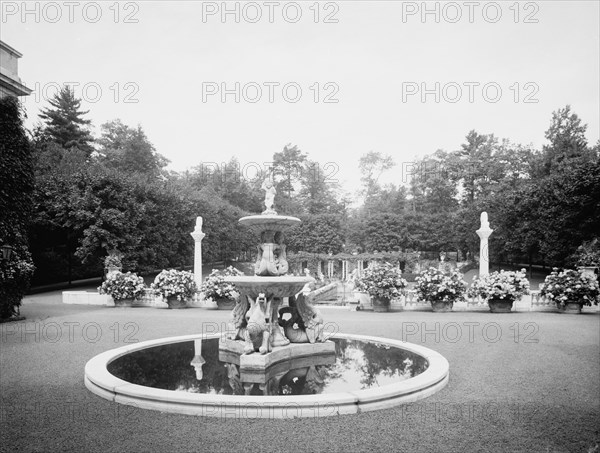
point(484, 233)
point(198, 235)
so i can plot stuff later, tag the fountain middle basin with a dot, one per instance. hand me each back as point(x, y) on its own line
point(190, 375)
point(274, 286)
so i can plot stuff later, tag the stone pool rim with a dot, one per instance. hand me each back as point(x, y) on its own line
point(104, 384)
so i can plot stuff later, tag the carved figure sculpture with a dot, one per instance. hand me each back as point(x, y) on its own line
point(280, 255)
point(270, 192)
point(239, 318)
point(258, 327)
point(305, 324)
point(265, 263)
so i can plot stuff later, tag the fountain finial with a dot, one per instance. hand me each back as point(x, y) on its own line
point(269, 187)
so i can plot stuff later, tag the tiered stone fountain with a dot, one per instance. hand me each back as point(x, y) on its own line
point(265, 332)
point(276, 362)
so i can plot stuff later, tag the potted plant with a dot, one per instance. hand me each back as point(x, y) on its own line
point(175, 286)
point(124, 288)
point(500, 289)
point(383, 282)
point(222, 293)
point(587, 257)
point(571, 289)
point(440, 289)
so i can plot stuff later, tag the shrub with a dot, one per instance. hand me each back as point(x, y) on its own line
point(15, 275)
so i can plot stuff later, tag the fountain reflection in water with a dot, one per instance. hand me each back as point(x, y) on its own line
point(354, 365)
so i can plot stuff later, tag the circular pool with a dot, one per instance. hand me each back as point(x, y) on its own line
point(192, 375)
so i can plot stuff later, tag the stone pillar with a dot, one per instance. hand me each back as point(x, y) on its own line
point(198, 235)
point(484, 233)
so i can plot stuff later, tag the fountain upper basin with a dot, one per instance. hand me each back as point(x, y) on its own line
point(279, 286)
point(272, 222)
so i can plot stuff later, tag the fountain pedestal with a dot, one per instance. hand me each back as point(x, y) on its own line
point(259, 338)
point(259, 362)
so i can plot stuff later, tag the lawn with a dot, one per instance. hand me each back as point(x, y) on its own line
point(519, 382)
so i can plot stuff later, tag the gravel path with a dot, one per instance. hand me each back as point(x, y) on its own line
point(519, 382)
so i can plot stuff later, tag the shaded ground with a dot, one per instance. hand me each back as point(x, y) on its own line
point(519, 382)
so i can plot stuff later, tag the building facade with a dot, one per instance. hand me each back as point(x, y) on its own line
point(10, 82)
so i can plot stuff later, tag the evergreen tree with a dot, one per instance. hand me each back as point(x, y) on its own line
point(64, 122)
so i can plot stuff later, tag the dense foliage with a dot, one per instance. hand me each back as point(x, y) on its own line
point(94, 196)
point(16, 185)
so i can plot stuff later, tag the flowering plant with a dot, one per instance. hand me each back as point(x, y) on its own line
point(507, 285)
point(382, 280)
point(215, 286)
point(434, 285)
point(571, 286)
point(174, 283)
point(120, 285)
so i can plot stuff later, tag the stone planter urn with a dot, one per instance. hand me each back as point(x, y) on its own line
point(500, 305)
point(223, 303)
point(570, 307)
point(364, 300)
point(174, 303)
point(442, 306)
point(381, 304)
point(588, 270)
point(123, 302)
point(110, 270)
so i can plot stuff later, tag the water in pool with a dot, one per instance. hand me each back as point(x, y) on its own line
point(199, 367)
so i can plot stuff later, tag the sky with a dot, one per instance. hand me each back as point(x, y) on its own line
point(212, 80)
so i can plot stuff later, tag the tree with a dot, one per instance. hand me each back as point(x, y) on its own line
point(372, 165)
point(64, 122)
point(129, 150)
point(317, 194)
point(568, 145)
point(288, 164)
point(16, 174)
point(433, 188)
point(322, 233)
